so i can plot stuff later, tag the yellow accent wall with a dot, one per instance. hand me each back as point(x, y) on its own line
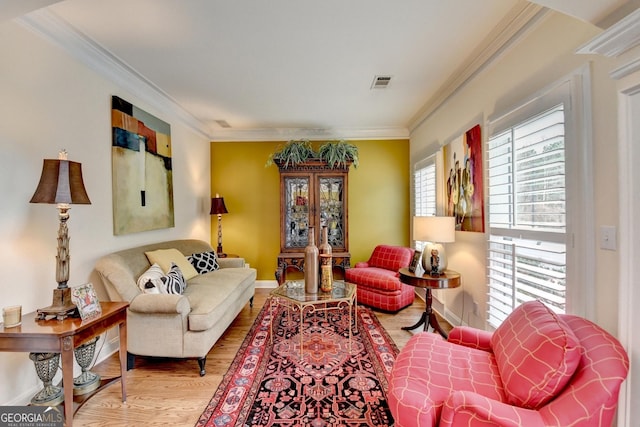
point(379, 191)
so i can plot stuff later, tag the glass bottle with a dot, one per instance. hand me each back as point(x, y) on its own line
point(326, 263)
point(311, 264)
point(325, 247)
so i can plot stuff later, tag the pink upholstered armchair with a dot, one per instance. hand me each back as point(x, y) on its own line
point(378, 282)
point(537, 369)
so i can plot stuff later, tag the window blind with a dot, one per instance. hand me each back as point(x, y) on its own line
point(527, 214)
point(424, 188)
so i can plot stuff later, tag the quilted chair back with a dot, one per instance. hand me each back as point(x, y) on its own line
point(390, 257)
point(591, 397)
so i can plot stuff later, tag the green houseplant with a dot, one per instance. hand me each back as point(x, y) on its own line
point(338, 153)
point(292, 153)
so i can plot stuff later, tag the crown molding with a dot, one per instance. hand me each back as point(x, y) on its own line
point(514, 25)
point(286, 134)
point(617, 39)
point(53, 28)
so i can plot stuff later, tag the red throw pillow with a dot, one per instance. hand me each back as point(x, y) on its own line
point(536, 353)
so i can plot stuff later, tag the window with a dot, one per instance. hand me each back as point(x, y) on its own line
point(527, 215)
point(536, 156)
point(424, 189)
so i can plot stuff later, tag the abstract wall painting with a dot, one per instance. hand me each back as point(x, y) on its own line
point(142, 170)
point(464, 180)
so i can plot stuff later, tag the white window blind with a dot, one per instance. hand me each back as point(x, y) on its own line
point(424, 190)
point(424, 181)
point(527, 214)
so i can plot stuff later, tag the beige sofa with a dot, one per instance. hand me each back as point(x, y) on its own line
point(180, 326)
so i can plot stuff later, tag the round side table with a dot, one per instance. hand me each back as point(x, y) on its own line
point(447, 280)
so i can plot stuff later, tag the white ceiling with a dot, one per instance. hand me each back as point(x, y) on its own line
point(298, 64)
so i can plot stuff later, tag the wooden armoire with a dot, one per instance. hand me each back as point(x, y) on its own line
point(312, 195)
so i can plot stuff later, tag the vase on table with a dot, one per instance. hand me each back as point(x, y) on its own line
point(311, 264)
point(326, 263)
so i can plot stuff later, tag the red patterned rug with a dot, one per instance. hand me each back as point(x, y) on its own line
point(336, 382)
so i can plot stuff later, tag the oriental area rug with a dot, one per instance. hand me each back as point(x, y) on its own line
point(334, 381)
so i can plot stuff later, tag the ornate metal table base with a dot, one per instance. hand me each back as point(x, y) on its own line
point(87, 381)
point(46, 367)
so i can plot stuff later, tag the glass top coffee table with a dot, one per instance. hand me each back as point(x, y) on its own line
point(292, 295)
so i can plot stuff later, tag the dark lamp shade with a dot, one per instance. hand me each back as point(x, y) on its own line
point(61, 182)
point(217, 206)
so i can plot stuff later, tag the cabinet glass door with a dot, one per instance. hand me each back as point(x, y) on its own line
point(296, 215)
point(332, 209)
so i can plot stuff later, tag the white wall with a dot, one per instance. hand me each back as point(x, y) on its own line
point(49, 101)
point(543, 56)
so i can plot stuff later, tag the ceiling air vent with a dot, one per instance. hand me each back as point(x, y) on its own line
point(380, 82)
point(223, 123)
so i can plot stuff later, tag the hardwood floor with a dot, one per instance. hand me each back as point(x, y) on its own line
point(170, 392)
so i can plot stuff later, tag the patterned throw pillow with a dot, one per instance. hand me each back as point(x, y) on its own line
point(204, 262)
point(150, 282)
point(174, 281)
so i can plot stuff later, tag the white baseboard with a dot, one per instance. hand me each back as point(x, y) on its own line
point(266, 284)
point(25, 397)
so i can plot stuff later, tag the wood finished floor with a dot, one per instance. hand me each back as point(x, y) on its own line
point(170, 392)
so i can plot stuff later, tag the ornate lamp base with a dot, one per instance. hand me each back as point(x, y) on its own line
point(87, 381)
point(434, 259)
point(46, 367)
point(61, 305)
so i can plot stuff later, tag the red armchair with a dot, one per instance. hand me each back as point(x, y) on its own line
point(537, 369)
point(377, 280)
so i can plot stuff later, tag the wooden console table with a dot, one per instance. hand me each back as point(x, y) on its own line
point(62, 336)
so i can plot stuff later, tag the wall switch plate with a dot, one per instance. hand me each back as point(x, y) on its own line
point(608, 239)
point(475, 308)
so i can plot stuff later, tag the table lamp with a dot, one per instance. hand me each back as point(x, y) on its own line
point(218, 208)
point(61, 183)
point(435, 230)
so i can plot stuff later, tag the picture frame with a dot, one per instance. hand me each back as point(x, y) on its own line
point(86, 299)
point(415, 260)
point(463, 177)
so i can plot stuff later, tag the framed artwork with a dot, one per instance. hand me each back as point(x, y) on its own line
point(464, 180)
point(414, 261)
point(86, 299)
point(142, 170)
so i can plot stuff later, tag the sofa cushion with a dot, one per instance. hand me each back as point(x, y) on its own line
point(536, 353)
point(174, 281)
point(164, 258)
point(390, 257)
point(204, 262)
point(150, 282)
point(210, 293)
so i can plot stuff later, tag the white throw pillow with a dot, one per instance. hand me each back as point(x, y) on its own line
point(150, 282)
